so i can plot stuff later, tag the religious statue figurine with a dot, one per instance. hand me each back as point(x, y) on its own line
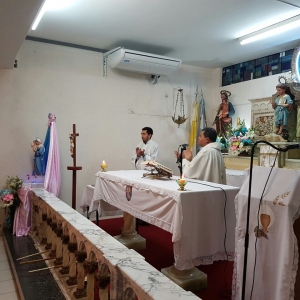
point(282, 105)
point(224, 115)
point(71, 145)
point(33, 146)
point(39, 150)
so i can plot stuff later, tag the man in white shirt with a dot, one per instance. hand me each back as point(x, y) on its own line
point(145, 150)
point(208, 164)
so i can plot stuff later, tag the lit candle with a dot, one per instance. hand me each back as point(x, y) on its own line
point(182, 180)
point(103, 166)
point(237, 121)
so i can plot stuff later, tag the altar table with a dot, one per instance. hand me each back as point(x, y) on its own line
point(195, 217)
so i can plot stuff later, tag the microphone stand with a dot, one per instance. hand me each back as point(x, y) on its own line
point(179, 160)
point(248, 213)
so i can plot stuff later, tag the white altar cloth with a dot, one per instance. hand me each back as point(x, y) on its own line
point(235, 177)
point(194, 217)
point(277, 250)
point(104, 208)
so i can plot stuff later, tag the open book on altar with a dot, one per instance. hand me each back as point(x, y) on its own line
point(161, 169)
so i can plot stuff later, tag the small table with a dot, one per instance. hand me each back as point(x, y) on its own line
point(103, 210)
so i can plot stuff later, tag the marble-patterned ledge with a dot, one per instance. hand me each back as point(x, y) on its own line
point(147, 281)
point(114, 260)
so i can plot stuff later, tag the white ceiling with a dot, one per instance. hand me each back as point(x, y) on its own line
point(200, 32)
point(15, 19)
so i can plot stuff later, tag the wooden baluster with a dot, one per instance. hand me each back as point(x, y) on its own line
point(103, 279)
point(59, 254)
point(90, 267)
point(72, 247)
point(80, 291)
point(49, 234)
point(53, 239)
point(66, 255)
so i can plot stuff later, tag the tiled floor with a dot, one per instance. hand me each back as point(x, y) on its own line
point(7, 285)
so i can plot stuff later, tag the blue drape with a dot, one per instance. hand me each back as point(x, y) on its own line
point(46, 145)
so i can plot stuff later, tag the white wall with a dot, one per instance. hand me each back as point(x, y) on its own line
point(108, 112)
point(242, 92)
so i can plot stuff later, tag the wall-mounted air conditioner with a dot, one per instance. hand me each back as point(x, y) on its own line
point(141, 62)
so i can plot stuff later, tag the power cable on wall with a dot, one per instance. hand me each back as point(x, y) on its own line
point(130, 111)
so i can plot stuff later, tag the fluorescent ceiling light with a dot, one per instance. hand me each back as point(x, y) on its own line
point(39, 16)
point(271, 30)
point(51, 5)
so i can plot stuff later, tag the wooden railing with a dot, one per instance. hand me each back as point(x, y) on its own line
point(85, 251)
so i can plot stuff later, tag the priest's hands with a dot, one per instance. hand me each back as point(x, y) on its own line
point(139, 152)
point(188, 155)
point(273, 103)
point(176, 154)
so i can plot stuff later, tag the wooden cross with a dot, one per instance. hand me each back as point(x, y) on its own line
point(74, 168)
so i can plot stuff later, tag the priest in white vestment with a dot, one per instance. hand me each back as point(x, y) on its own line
point(146, 150)
point(208, 164)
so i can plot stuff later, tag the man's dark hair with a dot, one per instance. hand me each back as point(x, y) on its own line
point(149, 130)
point(211, 133)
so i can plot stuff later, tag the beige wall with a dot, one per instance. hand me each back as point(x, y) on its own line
point(108, 112)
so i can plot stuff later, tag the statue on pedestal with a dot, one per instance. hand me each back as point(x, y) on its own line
point(39, 150)
point(283, 104)
point(223, 119)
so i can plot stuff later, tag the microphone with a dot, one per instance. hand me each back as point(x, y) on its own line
point(179, 158)
point(184, 145)
point(289, 147)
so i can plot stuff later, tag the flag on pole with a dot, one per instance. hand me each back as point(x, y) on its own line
point(202, 118)
point(193, 132)
point(202, 123)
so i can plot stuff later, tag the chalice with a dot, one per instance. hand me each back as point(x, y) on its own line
point(181, 182)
